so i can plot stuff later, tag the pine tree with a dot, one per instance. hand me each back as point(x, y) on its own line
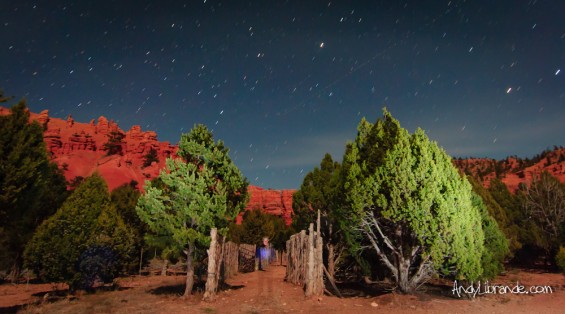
point(83, 240)
point(409, 202)
point(31, 187)
point(255, 225)
point(125, 199)
point(319, 192)
point(202, 190)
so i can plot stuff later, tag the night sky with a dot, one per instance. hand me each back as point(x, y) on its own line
point(283, 82)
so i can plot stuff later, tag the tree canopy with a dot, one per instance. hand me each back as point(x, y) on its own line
point(407, 202)
point(84, 240)
point(31, 187)
point(200, 190)
point(317, 192)
point(544, 203)
point(321, 191)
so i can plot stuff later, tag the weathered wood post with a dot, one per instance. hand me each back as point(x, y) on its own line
point(311, 260)
point(230, 259)
point(318, 285)
point(211, 281)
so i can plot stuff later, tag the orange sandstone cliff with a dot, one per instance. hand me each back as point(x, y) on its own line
point(80, 150)
point(513, 170)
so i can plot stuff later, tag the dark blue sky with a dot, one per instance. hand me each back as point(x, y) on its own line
point(283, 82)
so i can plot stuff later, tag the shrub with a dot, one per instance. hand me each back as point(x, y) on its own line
point(560, 259)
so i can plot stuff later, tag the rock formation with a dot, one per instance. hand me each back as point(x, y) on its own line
point(274, 202)
point(78, 148)
point(513, 170)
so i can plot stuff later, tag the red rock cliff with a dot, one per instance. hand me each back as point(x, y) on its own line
point(513, 170)
point(79, 149)
point(274, 202)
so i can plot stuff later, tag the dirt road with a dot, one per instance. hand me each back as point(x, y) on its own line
point(267, 292)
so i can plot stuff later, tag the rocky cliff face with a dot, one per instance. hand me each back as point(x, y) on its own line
point(513, 170)
point(80, 149)
point(274, 202)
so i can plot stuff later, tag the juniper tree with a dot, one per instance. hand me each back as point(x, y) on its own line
point(407, 202)
point(320, 192)
point(255, 226)
point(31, 187)
point(200, 190)
point(497, 212)
point(496, 244)
point(83, 240)
point(124, 198)
point(544, 203)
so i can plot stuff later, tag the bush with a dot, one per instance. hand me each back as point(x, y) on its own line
point(84, 240)
point(560, 259)
point(97, 263)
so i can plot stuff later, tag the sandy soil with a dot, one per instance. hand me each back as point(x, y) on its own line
point(266, 292)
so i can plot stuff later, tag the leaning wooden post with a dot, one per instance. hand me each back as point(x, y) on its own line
point(211, 280)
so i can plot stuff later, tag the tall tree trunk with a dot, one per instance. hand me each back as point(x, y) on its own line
point(403, 280)
point(189, 271)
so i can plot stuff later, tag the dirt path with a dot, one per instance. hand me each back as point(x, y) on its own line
point(267, 292)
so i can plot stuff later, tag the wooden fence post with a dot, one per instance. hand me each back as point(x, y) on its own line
point(231, 259)
point(212, 279)
point(311, 266)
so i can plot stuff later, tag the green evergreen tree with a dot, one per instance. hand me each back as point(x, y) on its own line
point(255, 225)
point(150, 157)
point(83, 240)
point(496, 244)
point(498, 213)
point(560, 259)
point(201, 190)
point(282, 233)
point(125, 199)
point(114, 144)
point(320, 192)
point(317, 192)
point(544, 203)
point(409, 202)
point(516, 230)
point(31, 187)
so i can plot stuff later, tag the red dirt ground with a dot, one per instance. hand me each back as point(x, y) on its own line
point(266, 292)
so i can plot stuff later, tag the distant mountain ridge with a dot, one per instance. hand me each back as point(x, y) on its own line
point(80, 149)
point(513, 170)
